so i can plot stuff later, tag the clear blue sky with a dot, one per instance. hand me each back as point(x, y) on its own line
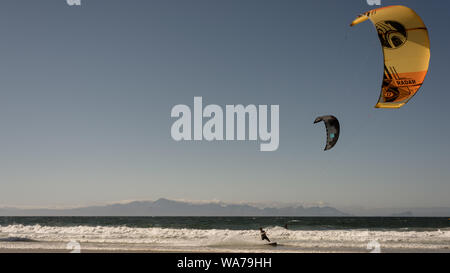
point(86, 94)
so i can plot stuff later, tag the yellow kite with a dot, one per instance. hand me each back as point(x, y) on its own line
point(406, 49)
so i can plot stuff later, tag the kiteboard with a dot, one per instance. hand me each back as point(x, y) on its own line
point(272, 244)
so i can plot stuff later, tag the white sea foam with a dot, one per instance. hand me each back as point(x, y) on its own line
point(161, 239)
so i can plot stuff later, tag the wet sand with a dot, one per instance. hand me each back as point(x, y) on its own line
point(18, 250)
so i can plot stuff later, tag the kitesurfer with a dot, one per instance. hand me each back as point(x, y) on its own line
point(264, 235)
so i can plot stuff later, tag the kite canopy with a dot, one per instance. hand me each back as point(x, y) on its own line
point(333, 130)
point(406, 49)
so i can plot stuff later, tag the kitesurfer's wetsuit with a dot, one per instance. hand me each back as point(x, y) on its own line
point(264, 235)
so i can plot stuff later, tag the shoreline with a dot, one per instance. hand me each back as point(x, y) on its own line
point(150, 251)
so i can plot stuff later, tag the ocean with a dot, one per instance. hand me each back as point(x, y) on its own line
point(224, 234)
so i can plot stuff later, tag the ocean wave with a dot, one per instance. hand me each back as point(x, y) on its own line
point(17, 239)
point(155, 238)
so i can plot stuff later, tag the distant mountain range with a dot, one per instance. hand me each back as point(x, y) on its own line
point(400, 212)
point(166, 207)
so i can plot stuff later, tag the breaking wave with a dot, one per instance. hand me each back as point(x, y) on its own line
point(160, 239)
